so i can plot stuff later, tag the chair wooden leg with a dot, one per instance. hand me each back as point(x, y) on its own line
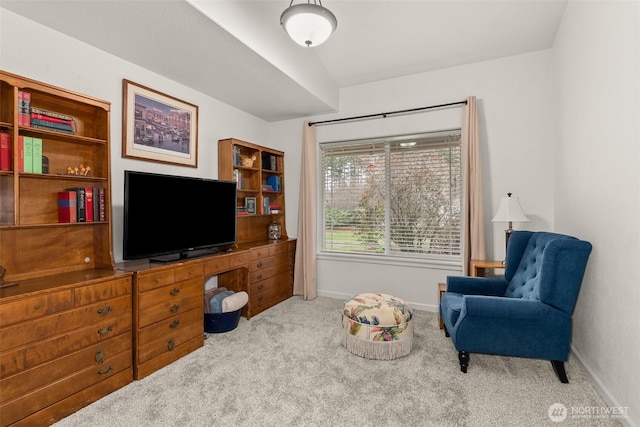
point(558, 367)
point(463, 357)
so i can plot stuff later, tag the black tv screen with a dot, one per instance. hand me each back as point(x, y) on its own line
point(170, 217)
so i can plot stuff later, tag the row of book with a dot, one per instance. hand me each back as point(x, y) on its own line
point(79, 204)
point(238, 177)
point(271, 162)
point(30, 153)
point(42, 119)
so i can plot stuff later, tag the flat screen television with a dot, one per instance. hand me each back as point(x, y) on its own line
point(168, 217)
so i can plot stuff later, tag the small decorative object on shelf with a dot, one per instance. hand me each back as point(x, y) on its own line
point(247, 161)
point(79, 170)
point(274, 230)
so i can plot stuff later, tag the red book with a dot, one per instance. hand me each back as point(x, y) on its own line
point(5, 151)
point(100, 199)
point(88, 201)
point(67, 209)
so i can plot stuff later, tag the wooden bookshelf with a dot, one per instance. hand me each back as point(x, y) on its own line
point(254, 167)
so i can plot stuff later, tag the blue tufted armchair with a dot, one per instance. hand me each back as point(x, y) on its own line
point(528, 312)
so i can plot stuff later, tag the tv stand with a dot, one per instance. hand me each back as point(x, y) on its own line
point(168, 316)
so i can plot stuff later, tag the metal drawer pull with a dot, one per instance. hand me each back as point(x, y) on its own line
point(260, 265)
point(171, 345)
point(100, 356)
point(259, 276)
point(106, 371)
point(260, 287)
point(105, 310)
point(105, 331)
point(174, 292)
point(175, 308)
point(174, 324)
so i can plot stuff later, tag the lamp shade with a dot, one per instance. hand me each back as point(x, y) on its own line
point(308, 24)
point(510, 211)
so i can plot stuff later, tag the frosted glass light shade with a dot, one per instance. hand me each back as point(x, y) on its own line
point(510, 211)
point(308, 24)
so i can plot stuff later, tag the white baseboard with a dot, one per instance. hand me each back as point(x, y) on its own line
point(601, 388)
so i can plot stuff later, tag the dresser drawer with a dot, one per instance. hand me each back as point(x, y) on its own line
point(261, 264)
point(102, 291)
point(279, 249)
point(259, 252)
point(240, 259)
point(216, 264)
point(170, 325)
point(30, 308)
point(146, 281)
point(165, 309)
point(267, 273)
point(64, 322)
point(173, 293)
point(190, 271)
point(31, 379)
point(169, 342)
point(47, 349)
point(267, 289)
point(18, 408)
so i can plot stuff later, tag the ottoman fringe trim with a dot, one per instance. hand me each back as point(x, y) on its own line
point(381, 350)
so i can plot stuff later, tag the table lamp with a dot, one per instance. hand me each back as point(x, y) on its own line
point(509, 211)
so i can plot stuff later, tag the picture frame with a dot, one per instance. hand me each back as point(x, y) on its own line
point(157, 127)
point(250, 204)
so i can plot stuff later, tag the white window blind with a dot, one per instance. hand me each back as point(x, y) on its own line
point(398, 196)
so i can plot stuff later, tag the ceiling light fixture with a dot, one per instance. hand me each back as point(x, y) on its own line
point(308, 24)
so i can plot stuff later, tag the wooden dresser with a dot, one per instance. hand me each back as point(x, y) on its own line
point(168, 314)
point(65, 341)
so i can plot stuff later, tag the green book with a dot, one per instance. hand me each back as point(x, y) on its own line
point(28, 154)
point(37, 155)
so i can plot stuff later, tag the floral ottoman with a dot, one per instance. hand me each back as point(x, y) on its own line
point(377, 326)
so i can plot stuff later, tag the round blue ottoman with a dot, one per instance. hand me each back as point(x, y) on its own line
point(377, 326)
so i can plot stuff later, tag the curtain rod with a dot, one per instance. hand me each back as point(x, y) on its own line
point(384, 115)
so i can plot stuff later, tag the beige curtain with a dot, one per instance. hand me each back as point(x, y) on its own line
point(304, 282)
point(473, 246)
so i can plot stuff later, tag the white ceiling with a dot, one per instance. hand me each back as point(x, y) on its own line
point(236, 51)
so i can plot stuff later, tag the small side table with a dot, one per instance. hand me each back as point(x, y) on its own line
point(481, 267)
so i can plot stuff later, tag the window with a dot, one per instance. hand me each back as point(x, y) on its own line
point(396, 196)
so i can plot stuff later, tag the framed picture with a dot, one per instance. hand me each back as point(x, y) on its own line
point(158, 127)
point(250, 204)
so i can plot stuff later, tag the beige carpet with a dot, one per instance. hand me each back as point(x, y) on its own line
point(287, 367)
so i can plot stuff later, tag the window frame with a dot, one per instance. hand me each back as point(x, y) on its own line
point(447, 261)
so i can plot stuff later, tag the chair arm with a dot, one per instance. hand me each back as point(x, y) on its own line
point(501, 307)
point(477, 285)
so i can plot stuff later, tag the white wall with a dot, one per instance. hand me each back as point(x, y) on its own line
point(514, 98)
point(596, 59)
point(32, 50)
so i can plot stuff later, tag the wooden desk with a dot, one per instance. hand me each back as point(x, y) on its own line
point(481, 267)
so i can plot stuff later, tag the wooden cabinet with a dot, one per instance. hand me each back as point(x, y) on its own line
point(270, 276)
point(32, 241)
point(168, 314)
point(168, 310)
point(64, 342)
point(259, 172)
point(65, 318)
